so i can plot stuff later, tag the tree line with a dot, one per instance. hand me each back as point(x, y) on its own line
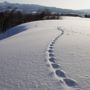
point(87, 16)
point(12, 18)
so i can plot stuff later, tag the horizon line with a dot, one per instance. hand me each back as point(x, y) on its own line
point(43, 5)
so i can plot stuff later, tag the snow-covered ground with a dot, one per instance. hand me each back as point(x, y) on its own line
point(73, 50)
point(46, 55)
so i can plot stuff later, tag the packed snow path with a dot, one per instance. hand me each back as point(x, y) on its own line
point(23, 62)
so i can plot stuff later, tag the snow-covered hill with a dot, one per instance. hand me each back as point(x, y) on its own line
point(46, 55)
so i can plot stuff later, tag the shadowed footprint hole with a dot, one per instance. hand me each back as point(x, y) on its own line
point(55, 65)
point(51, 44)
point(52, 60)
point(51, 47)
point(60, 73)
point(70, 82)
point(50, 50)
point(51, 55)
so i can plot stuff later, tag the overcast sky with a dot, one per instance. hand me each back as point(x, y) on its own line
point(69, 4)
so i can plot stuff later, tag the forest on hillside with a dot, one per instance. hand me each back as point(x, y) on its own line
point(12, 18)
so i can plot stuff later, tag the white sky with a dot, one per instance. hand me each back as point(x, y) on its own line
point(69, 4)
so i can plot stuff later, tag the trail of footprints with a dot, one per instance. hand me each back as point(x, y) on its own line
point(56, 68)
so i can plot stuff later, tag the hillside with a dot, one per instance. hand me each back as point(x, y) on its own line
point(46, 55)
point(29, 8)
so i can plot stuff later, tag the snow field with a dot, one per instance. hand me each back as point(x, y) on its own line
point(26, 55)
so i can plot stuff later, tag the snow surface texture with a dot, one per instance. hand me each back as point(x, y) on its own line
point(62, 45)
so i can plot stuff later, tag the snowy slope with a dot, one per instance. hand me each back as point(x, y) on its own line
point(73, 50)
point(46, 55)
point(22, 59)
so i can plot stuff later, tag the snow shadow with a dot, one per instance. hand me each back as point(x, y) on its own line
point(13, 31)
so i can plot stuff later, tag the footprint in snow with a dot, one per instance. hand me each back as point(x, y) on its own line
point(54, 65)
point(51, 47)
point(51, 44)
point(50, 51)
point(52, 59)
point(70, 82)
point(60, 73)
point(51, 55)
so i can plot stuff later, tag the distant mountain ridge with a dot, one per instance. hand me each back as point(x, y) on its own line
point(86, 11)
point(26, 8)
point(29, 8)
